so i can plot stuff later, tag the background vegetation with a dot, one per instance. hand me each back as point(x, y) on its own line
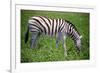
point(46, 47)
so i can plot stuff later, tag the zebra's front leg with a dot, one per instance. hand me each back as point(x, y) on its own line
point(33, 39)
point(58, 39)
point(57, 42)
point(64, 45)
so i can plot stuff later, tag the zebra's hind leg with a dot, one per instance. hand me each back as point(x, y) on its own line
point(33, 39)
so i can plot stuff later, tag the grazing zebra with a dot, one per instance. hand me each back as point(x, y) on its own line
point(53, 27)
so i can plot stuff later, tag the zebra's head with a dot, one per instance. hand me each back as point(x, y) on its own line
point(72, 31)
point(78, 43)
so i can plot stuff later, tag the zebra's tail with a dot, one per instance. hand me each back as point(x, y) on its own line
point(27, 35)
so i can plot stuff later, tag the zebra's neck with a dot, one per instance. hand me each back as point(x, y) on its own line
point(72, 32)
point(74, 35)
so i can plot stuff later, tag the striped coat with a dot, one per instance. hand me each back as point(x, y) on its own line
point(46, 25)
point(52, 27)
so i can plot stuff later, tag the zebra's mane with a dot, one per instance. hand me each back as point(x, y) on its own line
point(72, 25)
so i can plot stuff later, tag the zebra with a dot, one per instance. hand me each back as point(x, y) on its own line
point(60, 28)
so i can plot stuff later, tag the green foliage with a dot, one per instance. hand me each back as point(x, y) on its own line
point(45, 49)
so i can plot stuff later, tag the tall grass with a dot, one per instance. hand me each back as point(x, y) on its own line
point(45, 49)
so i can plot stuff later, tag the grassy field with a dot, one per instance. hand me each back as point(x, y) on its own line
point(46, 47)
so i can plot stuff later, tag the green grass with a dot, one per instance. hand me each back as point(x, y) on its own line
point(45, 49)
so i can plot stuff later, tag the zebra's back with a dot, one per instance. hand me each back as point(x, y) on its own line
point(46, 25)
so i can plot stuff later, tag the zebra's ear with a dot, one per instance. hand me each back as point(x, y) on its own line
point(81, 36)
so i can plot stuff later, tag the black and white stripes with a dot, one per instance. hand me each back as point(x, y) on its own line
point(52, 27)
point(46, 25)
